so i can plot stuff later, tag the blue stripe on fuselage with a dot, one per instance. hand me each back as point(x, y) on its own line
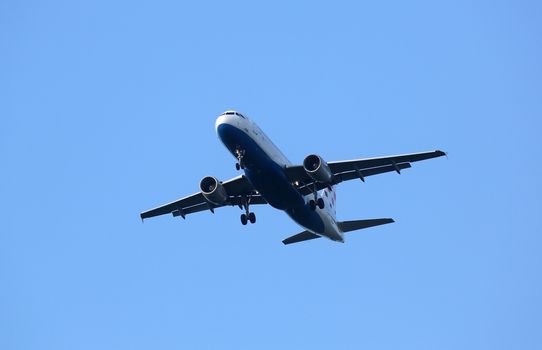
point(269, 178)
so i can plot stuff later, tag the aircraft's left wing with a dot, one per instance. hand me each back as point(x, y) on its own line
point(357, 169)
point(349, 165)
point(238, 189)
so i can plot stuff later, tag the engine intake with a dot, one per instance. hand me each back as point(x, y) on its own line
point(213, 191)
point(317, 169)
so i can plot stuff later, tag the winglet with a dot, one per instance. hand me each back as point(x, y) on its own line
point(441, 153)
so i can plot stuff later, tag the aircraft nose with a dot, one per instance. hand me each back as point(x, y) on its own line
point(219, 121)
point(228, 117)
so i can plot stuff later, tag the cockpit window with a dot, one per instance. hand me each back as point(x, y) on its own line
point(234, 113)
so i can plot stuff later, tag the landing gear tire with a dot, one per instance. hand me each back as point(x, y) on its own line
point(252, 218)
point(321, 203)
point(237, 166)
point(312, 204)
point(244, 219)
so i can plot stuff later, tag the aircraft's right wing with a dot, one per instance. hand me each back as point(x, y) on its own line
point(238, 189)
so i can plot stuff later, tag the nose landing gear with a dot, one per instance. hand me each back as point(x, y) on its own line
point(239, 153)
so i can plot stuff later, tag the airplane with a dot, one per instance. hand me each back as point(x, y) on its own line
point(306, 192)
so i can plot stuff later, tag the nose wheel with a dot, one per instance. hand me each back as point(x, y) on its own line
point(248, 216)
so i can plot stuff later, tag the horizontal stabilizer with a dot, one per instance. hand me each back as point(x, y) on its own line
point(303, 236)
point(347, 226)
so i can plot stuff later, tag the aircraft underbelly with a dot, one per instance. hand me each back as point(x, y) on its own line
point(277, 191)
point(269, 178)
point(263, 172)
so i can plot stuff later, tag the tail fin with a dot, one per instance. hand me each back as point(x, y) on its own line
point(347, 226)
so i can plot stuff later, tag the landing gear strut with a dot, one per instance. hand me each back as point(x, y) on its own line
point(248, 216)
point(239, 153)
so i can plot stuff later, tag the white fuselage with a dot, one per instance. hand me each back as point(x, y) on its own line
point(264, 167)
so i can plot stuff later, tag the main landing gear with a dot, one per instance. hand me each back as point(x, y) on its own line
point(319, 202)
point(248, 215)
point(246, 218)
point(316, 201)
point(239, 153)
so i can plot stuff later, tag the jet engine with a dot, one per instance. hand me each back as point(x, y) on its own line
point(213, 191)
point(317, 169)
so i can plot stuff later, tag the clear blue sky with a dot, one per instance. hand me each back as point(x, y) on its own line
point(108, 109)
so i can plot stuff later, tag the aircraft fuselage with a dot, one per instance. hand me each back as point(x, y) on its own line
point(264, 166)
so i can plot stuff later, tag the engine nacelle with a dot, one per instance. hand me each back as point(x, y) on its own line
point(213, 191)
point(317, 169)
